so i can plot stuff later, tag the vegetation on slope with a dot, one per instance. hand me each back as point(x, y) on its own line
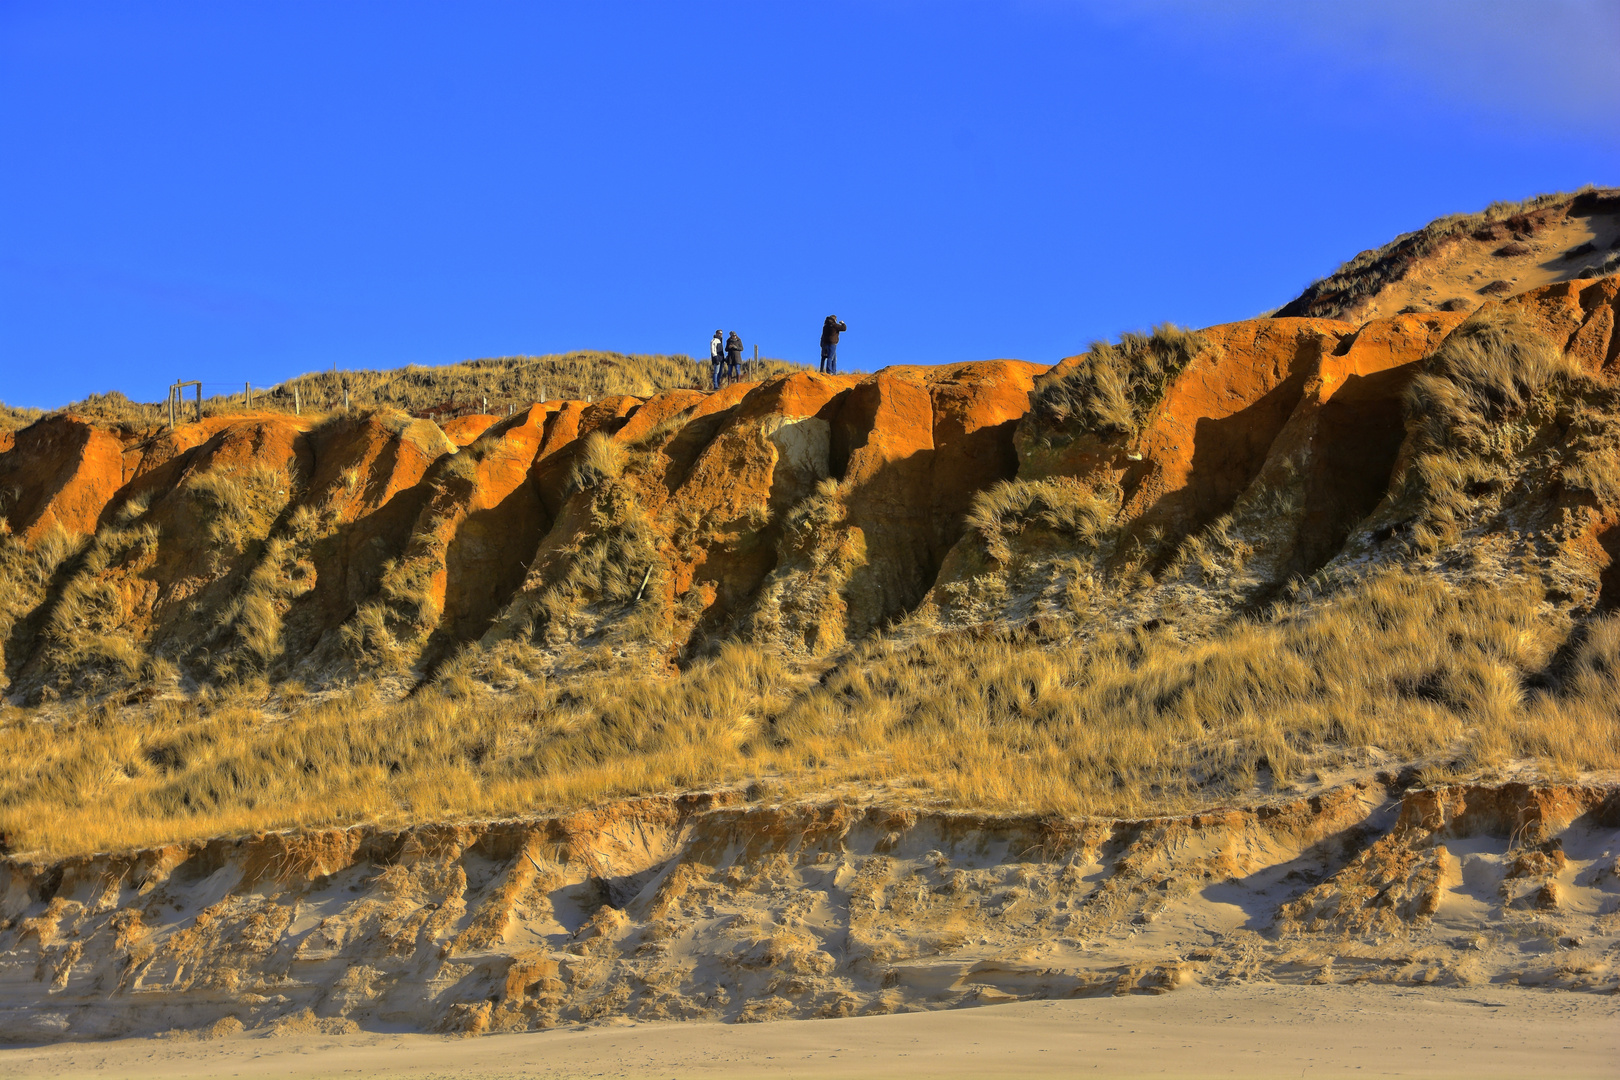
point(1403, 668)
point(13, 417)
point(502, 381)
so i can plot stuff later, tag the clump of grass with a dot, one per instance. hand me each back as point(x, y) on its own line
point(1116, 388)
point(16, 417)
point(235, 509)
point(610, 564)
point(247, 636)
point(1493, 369)
point(88, 642)
point(803, 602)
point(1062, 506)
point(385, 631)
point(1215, 554)
point(1491, 391)
point(599, 461)
point(25, 572)
point(1594, 466)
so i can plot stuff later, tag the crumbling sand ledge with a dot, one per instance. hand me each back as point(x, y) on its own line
point(708, 907)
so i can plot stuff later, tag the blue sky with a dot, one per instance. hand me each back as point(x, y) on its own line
point(248, 191)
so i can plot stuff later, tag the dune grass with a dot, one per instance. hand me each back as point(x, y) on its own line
point(496, 383)
point(1115, 388)
point(1401, 668)
point(13, 417)
point(1496, 398)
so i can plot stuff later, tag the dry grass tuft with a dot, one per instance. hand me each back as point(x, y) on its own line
point(1063, 506)
point(805, 602)
point(607, 576)
point(16, 417)
point(25, 575)
point(1493, 392)
point(1115, 389)
point(599, 461)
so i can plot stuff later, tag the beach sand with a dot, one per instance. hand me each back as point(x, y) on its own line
point(1255, 1030)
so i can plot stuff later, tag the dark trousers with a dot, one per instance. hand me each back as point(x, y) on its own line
point(829, 359)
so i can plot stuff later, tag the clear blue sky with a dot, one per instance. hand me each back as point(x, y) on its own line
point(239, 190)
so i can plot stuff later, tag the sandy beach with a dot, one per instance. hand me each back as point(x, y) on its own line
point(1257, 1031)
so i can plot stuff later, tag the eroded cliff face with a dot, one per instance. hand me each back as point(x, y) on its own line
point(921, 524)
point(725, 908)
point(381, 544)
point(807, 511)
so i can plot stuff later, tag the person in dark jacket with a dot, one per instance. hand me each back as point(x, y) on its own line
point(717, 358)
point(829, 344)
point(734, 356)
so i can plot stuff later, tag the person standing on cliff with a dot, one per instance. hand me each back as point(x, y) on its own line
point(830, 329)
point(734, 351)
point(717, 357)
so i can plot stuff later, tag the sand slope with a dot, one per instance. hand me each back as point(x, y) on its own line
point(717, 909)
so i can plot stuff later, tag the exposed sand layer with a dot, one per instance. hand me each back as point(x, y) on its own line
point(1458, 262)
point(1472, 269)
point(710, 908)
point(1258, 1031)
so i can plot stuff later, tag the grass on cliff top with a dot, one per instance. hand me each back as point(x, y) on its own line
point(1403, 668)
point(13, 417)
point(514, 381)
point(1116, 387)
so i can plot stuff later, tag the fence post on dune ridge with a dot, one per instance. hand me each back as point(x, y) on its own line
point(298, 409)
point(177, 398)
point(247, 392)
